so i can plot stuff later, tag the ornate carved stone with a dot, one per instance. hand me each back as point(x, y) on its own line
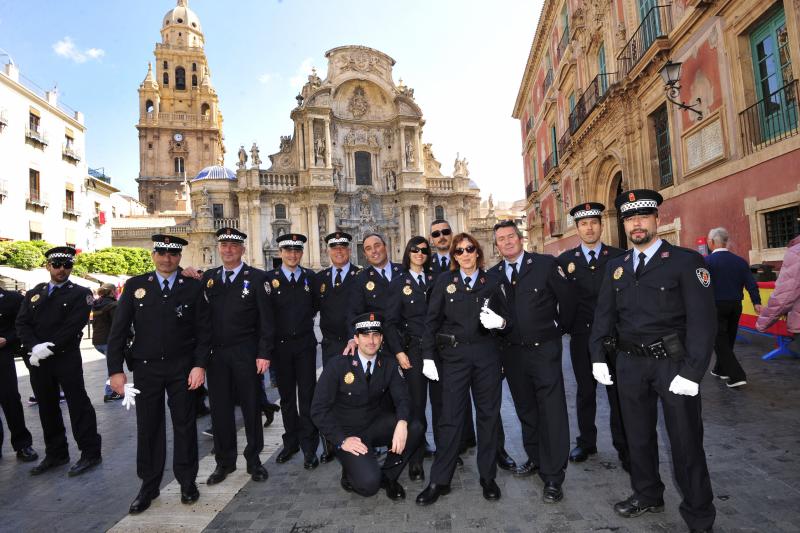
point(358, 105)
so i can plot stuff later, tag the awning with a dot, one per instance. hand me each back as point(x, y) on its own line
point(69, 133)
point(71, 236)
point(35, 112)
point(35, 226)
point(69, 186)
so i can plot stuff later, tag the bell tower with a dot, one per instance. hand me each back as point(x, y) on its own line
point(180, 124)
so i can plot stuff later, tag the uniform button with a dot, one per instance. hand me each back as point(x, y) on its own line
point(536, 344)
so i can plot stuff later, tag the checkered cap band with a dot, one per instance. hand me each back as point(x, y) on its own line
point(230, 237)
point(339, 240)
point(638, 204)
point(284, 244)
point(587, 213)
point(368, 324)
point(175, 245)
point(60, 255)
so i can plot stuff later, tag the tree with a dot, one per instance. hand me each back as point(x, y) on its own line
point(21, 254)
point(137, 259)
point(103, 262)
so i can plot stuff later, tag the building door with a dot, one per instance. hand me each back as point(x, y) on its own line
point(622, 239)
point(602, 85)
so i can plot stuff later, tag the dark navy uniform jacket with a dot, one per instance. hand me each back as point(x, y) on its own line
point(673, 295)
point(345, 404)
point(165, 328)
point(292, 307)
point(407, 309)
point(586, 282)
point(370, 293)
point(236, 314)
point(10, 303)
point(58, 318)
point(542, 304)
point(454, 310)
point(332, 301)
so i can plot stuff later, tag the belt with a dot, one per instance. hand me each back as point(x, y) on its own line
point(654, 350)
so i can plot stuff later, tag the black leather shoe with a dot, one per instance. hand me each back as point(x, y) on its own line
point(552, 492)
point(580, 453)
point(219, 474)
point(416, 473)
point(632, 507)
point(84, 464)
point(432, 493)
point(189, 494)
point(394, 490)
point(328, 453)
point(48, 463)
point(142, 502)
point(459, 461)
point(528, 468)
point(257, 472)
point(505, 461)
point(286, 454)
point(27, 454)
point(269, 413)
point(310, 461)
point(392, 460)
point(490, 490)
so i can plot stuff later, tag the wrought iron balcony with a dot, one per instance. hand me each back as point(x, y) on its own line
point(563, 43)
point(564, 143)
point(70, 153)
point(591, 97)
point(655, 24)
point(771, 119)
point(528, 189)
point(548, 80)
point(549, 163)
point(69, 210)
point(36, 136)
point(35, 199)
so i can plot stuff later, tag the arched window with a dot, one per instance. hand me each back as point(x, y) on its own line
point(280, 212)
point(179, 168)
point(166, 65)
point(180, 79)
point(205, 110)
point(165, 80)
point(194, 80)
point(194, 67)
point(148, 106)
point(439, 213)
point(363, 168)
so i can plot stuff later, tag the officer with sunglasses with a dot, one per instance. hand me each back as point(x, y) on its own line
point(441, 237)
point(50, 325)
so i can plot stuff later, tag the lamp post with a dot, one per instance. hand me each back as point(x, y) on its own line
point(671, 74)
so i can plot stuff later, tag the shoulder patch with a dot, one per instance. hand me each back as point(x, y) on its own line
point(703, 276)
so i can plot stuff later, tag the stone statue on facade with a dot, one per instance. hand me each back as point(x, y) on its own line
point(242, 157)
point(286, 143)
point(255, 160)
point(319, 151)
point(313, 79)
point(204, 197)
point(409, 153)
point(460, 167)
point(350, 138)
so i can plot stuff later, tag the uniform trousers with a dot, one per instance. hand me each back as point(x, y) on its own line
point(641, 381)
point(363, 471)
point(232, 379)
point(418, 391)
point(64, 371)
point(12, 404)
point(537, 387)
point(435, 395)
point(296, 371)
point(475, 366)
point(153, 378)
point(728, 313)
point(586, 398)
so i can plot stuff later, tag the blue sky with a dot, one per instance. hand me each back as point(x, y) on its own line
point(464, 59)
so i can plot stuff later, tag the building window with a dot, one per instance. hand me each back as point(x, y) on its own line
point(782, 226)
point(554, 145)
point(534, 170)
point(69, 201)
point(280, 212)
point(194, 80)
point(180, 79)
point(194, 67)
point(166, 65)
point(363, 168)
point(165, 80)
point(34, 185)
point(216, 210)
point(602, 86)
point(33, 122)
point(438, 213)
point(35, 236)
point(660, 121)
point(179, 169)
point(205, 110)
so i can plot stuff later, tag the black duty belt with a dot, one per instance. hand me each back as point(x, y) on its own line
point(655, 350)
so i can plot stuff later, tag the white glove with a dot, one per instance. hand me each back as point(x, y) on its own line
point(429, 369)
point(601, 373)
point(130, 396)
point(40, 351)
point(491, 320)
point(683, 386)
point(34, 360)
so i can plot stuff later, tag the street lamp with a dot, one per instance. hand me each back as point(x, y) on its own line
point(671, 74)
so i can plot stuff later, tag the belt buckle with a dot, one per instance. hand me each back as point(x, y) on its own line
point(657, 350)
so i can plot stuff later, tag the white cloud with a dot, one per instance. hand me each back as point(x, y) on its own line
point(301, 74)
point(66, 48)
point(266, 78)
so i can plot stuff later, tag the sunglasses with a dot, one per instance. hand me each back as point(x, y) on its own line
point(172, 253)
point(62, 264)
point(469, 249)
point(416, 250)
point(435, 234)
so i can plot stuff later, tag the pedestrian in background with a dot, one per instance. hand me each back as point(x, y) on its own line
point(103, 309)
point(785, 299)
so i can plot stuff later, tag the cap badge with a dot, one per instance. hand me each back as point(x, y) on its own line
point(371, 317)
point(166, 240)
point(631, 197)
point(586, 207)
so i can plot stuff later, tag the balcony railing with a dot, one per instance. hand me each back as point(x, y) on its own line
point(3, 119)
point(440, 184)
point(657, 23)
point(226, 223)
point(36, 198)
point(528, 189)
point(556, 228)
point(278, 181)
point(36, 136)
point(138, 233)
point(563, 43)
point(183, 118)
point(549, 163)
point(564, 143)
point(69, 210)
point(69, 152)
point(771, 119)
point(548, 80)
point(591, 97)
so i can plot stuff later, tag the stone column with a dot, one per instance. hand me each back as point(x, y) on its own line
point(310, 142)
point(303, 221)
point(328, 150)
point(418, 138)
point(402, 148)
point(406, 233)
point(313, 238)
point(423, 224)
point(331, 217)
point(462, 226)
point(253, 217)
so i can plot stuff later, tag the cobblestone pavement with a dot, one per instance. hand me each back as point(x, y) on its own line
point(751, 438)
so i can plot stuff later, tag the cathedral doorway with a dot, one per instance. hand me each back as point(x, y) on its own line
point(616, 184)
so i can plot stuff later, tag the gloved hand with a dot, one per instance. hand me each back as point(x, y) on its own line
point(683, 386)
point(429, 369)
point(130, 396)
point(601, 373)
point(491, 320)
point(40, 351)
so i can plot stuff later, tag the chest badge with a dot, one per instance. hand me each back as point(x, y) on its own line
point(349, 378)
point(451, 289)
point(139, 294)
point(407, 290)
point(322, 289)
point(209, 283)
point(571, 268)
point(618, 273)
point(246, 288)
point(35, 298)
point(370, 286)
point(276, 283)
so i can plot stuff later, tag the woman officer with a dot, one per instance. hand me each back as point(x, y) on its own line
point(464, 306)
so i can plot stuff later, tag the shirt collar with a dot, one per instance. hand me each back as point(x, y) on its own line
point(585, 249)
point(649, 252)
point(518, 260)
point(473, 277)
point(345, 269)
point(235, 271)
point(715, 250)
point(170, 279)
point(439, 257)
point(364, 360)
point(51, 285)
point(288, 273)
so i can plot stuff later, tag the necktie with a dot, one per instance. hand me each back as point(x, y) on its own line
point(228, 276)
point(165, 290)
point(593, 260)
point(467, 281)
point(53, 289)
point(513, 275)
point(420, 280)
point(369, 371)
point(444, 263)
point(383, 273)
point(338, 280)
point(291, 279)
point(640, 266)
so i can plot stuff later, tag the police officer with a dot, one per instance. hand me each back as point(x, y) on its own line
point(50, 324)
point(348, 410)
point(21, 439)
point(658, 303)
point(295, 350)
point(585, 266)
point(237, 327)
point(542, 306)
point(462, 310)
point(331, 289)
point(371, 290)
point(162, 308)
point(441, 237)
